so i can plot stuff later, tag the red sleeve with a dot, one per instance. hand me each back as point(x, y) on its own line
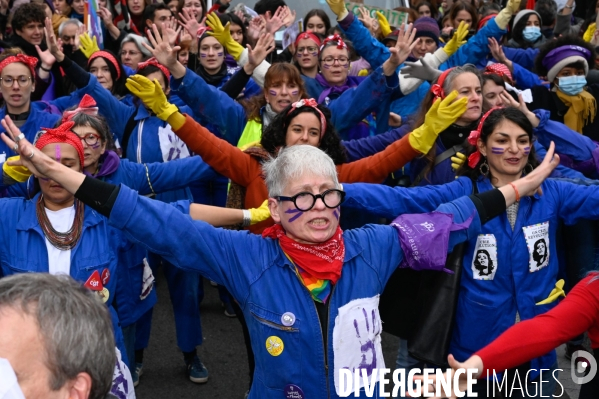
point(376, 168)
point(535, 337)
point(226, 159)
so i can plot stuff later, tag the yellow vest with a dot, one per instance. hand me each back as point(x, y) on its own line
point(251, 134)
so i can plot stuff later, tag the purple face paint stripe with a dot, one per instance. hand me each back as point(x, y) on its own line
point(57, 152)
point(314, 54)
point(497, 150)
point(272, 92)
point(95, 146)
point(203, 55)
point(526, 150)
point(219, 54)
point(326, 66)
point(290, 211)
point(296, 216)
point(336, 214)
point(295, 93)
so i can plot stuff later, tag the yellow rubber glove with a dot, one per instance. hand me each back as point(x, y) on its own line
point(458, 39)
point(17, 173)
point(385, 27)
point(223, 35)
point(152, 96)
point(588, 35)
point(258, 215)
point(504, 16)
point(458, 160)
point(88, 46)
point(338, 7)
point(554, 295)
point(442, 114)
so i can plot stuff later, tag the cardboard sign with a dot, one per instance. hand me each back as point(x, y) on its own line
point(395, 18)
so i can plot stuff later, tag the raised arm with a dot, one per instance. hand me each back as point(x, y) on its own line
point(222, 156)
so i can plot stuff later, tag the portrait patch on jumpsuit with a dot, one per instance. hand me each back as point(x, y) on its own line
point(537, 242)
point(484, 258)
point(357, 338)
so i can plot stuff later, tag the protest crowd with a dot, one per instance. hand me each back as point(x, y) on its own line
point(430, 171)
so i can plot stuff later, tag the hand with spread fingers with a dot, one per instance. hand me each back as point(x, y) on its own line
point(152, 96)
point(223, 35)
point(420, 69)
point(88, 45)
point(442, 114)
point(406, 42)
point(458, 39)
point(164, 53)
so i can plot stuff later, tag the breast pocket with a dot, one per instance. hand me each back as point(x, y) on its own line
point(94, 268)
point(278, 351)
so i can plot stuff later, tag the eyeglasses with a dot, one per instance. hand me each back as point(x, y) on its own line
point(90, 139)
point(329, 61)
point(131, 53)
point(22, 81)
point(305, 201)
point(310, 49)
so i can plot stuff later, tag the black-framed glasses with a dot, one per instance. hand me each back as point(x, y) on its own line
point(90, 139)
point(22, 81)
point(329, 61)
point(305, 201)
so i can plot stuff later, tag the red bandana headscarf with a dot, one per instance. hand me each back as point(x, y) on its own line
point(62, 134)
point(87, 105)
point(334, 38)
point(322, 261)
point(109, 57)
point(474, 158)
point(498, 69)
point(30, 62)
point(308, 35)
point(153, 61)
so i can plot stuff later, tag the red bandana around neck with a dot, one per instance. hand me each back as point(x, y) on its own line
point(322, 261)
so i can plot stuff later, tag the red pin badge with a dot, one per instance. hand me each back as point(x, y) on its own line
point(94, 282)
point(105, 276)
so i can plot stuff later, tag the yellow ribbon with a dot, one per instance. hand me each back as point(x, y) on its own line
point(557, 292)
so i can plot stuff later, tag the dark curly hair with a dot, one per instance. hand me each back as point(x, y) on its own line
point(511, 114)
point(273, 137)
point(542, 70)
point(26, 13)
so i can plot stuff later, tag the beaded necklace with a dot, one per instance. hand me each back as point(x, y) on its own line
point(63, 241)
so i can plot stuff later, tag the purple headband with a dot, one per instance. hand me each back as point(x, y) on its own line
point(560, 53)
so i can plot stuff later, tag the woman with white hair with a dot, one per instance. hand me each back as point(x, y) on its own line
point(296, 283)
point(133, 52)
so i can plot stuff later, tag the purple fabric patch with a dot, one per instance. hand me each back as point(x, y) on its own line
point(424, 239)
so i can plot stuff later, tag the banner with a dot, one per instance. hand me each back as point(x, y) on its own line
point(94, 22)
point(395, 18)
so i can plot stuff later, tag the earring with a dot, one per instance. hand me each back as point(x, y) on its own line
point(530, 167)
point(484, 168)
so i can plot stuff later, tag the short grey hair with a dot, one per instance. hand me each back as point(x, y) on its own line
point(75, 326)
point(138, 40)
point(71, 21)
point(294, 162)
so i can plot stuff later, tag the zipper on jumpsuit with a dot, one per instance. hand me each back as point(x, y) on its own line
point(326, 358)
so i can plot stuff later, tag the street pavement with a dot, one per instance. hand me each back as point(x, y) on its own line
point(224, 354)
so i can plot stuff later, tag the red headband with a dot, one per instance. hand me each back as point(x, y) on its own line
point(437, 88)
point(308, 35)
point(498, 69)
point(62, 134)
point(202, 30)
point(474, 158)
point(310, 102)
point(30, 62)
point(334, 38)
point(87, 105)
point(152, 61)
point(486, 19)
point(109, 57)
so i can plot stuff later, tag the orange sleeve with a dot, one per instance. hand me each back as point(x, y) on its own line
point(226, 159)
point(376, 168)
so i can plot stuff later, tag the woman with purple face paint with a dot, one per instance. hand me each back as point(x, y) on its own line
point(307, 49)
point(523, 275)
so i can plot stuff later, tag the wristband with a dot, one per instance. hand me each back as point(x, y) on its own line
point(247, 218)
point(44, 69)
point(516, 190)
